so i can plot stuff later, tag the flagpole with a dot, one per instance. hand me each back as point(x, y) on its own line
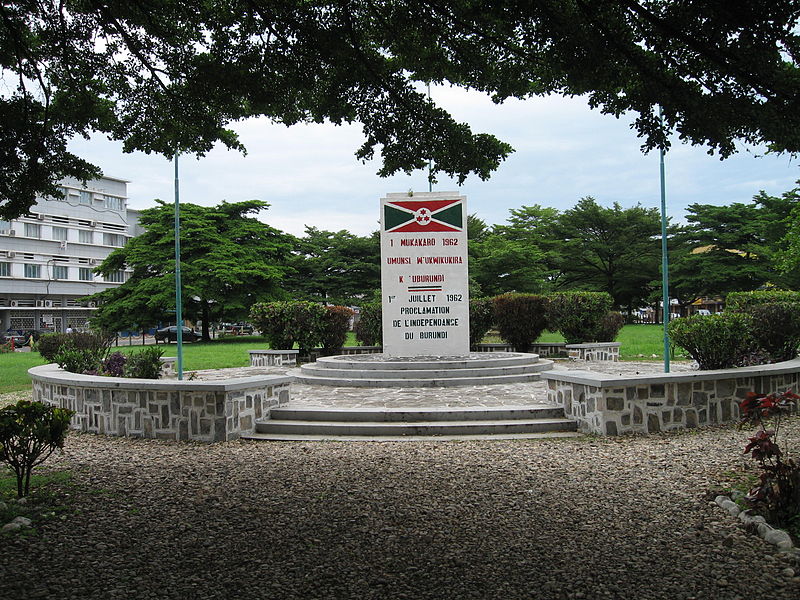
point(664, 259)
point(178, 300)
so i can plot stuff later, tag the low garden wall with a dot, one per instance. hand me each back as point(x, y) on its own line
point(203, 411)
point(610, 405)
point(594, 351)
point(273, 358)
point(543, 349)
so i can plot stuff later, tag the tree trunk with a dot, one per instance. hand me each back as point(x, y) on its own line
point(206, 319)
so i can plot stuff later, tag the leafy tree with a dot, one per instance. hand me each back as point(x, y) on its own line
point(336, 267)
point(229, 260)
point(169, 76)
point(614, 250)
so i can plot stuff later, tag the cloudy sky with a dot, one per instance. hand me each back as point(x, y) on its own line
point(564, 151)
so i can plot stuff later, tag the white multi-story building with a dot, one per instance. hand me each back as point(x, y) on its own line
point(47, 256)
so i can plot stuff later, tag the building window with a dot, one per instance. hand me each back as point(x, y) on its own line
point(5, 269)
point(33, 230)
point(114, 203)
point(60, 233)
point(5, 226)
point(113, 239)
point(85, 274)
point(85, 237)
point(60, 272)
point(33, 271)
point(63, 194)
point(116, 277)
point(86, 197)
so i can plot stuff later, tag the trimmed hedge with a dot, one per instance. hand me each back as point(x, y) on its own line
point(335, 326)
point(285, 324)
point(719, 341)
point(520, 318)
point(51, 344)
point(481, 319)
point(776, 329)
point(579, 316)
point(610, 326)
point(741, 301)
point(369, 329)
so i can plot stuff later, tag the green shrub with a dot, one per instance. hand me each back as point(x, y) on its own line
point(335, 325)
point(78, 361)
point(285, 324)
point(520, 318)
point(144, 364)
point(5, 348)
point(481, 319)
point(29, 433)
point(719, 341)
point(579, 316)
point(610, 326)
point(741, 301)
point(96, 344)
point(369, 329)
point(776, 328)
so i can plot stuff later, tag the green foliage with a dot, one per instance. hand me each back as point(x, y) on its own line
point(285, 324)
point(614, 250)
point(335, 325)
point(6, 348)
point(776, 329)
point(78, 361)
point(520, 318)
point(93, 343)
point(334, 267)
point(229, 259)
point(144, 363)
point(481, 319)
point(579, 316)
point(29, 433)
point(369, 329)
point(743, 301)
point(717, 341)
point(610, 326)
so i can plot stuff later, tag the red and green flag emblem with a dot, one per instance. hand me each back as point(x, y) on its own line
point(404, 216)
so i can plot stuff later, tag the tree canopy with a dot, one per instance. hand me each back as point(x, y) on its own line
point(164, 76)
point(229, 260)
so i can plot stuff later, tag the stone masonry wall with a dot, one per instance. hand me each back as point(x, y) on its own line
point(639, 406)
point(599, 351)
point(186, 410)
point(273, 358)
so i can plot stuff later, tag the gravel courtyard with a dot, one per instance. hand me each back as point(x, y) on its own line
point(575, 518)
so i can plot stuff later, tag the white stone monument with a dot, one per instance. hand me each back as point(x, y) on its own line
point(424, 277)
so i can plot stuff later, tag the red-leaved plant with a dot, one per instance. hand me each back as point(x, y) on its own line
point(777, 496)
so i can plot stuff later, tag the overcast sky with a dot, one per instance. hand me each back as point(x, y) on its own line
point(564, 151)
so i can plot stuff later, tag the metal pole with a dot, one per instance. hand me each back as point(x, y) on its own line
point(178, 301)
point(430, 163)
point(664, 259)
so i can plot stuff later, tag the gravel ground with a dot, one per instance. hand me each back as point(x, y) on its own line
point(578, 518)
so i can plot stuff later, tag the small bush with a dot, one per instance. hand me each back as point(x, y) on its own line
point(29, 433)
point(78, 361)
point(97, 344)
point(579, 316)
point(144, 364)
point(285, 324)
point(741, 301)
point(335, 325)
point(369, 329)
point(114, 365)
point(776, 328)
point(5, 348)
point(481, 319)
point(520, 318)
point(718, 341)
point(610, 326)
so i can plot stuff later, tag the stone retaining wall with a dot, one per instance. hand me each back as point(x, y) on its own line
point(594, 351)
point(204, 411)
point(273, 358)
point(610, 405)
point(543, 349)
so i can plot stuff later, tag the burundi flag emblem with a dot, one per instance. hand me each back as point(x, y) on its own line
point(404, 216)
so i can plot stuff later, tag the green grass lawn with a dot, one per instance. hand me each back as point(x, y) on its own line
point(231, 351)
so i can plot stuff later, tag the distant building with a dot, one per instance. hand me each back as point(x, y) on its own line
point(47, 256)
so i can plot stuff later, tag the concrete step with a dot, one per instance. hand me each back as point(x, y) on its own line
point(405, 415)
point(420, 428)
point(275, 437)
point(482, 360)
point(299, 377)
point(314, 370)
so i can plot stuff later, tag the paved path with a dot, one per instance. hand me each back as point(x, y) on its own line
point(514, 394)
